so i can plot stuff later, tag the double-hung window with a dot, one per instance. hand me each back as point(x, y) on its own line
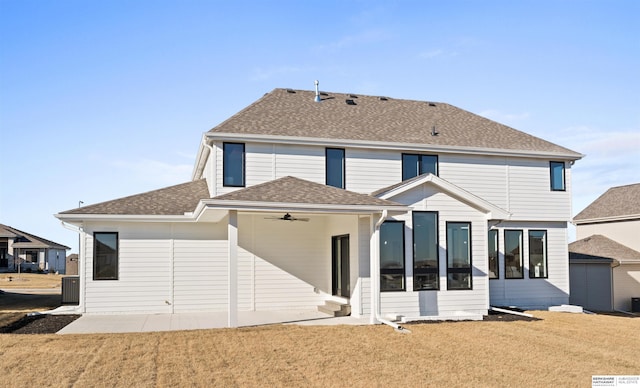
point(538, 254)
point(415, 164)
point(459, 256)
point(425, 251)
point(557, 176)
point(105, 256)
point(335, 167)
point(392, 256)
point(513, 254)
point(493, 254)
point(233, 164)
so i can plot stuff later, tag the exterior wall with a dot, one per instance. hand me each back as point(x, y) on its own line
point(518, 185)
point(626, 285)
point(443, 302)
point(591, 286)
point(623, 232)
point(534, 293)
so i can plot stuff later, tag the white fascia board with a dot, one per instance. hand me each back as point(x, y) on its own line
point(310, 208)
point(343, 143)
point(600, 220)
point(201, 158)
point(75, 218)
point(493, 212)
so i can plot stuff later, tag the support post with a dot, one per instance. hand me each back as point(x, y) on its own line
point(232, 265)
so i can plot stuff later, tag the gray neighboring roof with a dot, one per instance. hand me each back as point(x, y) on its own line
point(616, 202)
point(295, 190)
point(598, 247)
point(28, 240)
point(173, 200)
point(286, 112)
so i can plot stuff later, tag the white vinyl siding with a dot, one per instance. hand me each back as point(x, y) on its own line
point(534, 293)
point(626, 285)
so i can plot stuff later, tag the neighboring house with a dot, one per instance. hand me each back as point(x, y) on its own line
point(605, 259)
point(396, 208)
point(28, 252)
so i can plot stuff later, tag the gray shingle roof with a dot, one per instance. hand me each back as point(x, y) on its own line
point(295, 190)
point(285, 112)
point(28, 240)
point(598, 246)
point(616, 202)
point(173, 200)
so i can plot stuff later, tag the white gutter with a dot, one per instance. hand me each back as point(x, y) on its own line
point(510, 312)
point(326, 142)
point(629, 217)
point(197, 169)
point(375, 284)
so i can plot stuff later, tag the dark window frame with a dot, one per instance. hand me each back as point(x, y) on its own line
point(117, 257)
point(552, 182)
point(224, 165)
point(344, 167)
point(497, 253)
point(454, 270)
point(420, 171)
point(546, 255)
point(521, 231)
point(395, 271)
point(426, 271)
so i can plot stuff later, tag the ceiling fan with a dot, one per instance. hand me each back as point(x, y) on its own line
point(287, 217)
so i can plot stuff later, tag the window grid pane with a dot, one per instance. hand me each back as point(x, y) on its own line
point(537, 254)
point(493, 255)
point(513, 254)
point(335, 167)
point(425, 251)
point(459, 256)
point(233, 164)
point(105, 256)
point(392, 256)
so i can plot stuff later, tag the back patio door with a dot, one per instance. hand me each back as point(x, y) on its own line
point(340, 265)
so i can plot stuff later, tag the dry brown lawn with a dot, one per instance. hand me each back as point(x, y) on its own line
point(561, 350)
point(30, 280)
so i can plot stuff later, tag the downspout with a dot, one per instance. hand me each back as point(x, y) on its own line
point(375, 285)
point(212, 154)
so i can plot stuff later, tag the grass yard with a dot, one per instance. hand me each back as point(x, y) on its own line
point(30, 280)
point(561, 350)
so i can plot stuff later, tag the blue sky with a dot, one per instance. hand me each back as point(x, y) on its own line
point(103, 99)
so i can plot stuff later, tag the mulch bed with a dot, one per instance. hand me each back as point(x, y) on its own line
point(39, 324)
point(494, 316)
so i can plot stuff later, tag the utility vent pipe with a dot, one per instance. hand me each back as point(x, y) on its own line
point(317, 99)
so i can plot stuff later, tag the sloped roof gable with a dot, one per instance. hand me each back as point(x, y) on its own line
point(173, 200)
point(621, 201)
point(294, 113)
point(28, 240)
point(598, 246)
point(299, 191)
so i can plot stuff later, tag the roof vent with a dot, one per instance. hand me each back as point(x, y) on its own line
point(353, 96)
point(350, 102)
point(434, 132)
point(291, 91)
point(317, 99)
point(432, 104)
point(382, 98)
point(324, 94)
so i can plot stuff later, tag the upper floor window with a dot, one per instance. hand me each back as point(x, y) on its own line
point(425, 251)
point(538, 254)
point(513, 254)
point(415, 164)
point(334, 167)
point(459, 256)
point(557, 176)
point(392, 256)
point(105, 256)
point(493, 254)
point(233, 164)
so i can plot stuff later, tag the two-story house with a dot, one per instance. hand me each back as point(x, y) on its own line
point(604, 262)
point(396, 208)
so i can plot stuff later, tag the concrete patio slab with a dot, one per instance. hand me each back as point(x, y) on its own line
point(138, 323)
